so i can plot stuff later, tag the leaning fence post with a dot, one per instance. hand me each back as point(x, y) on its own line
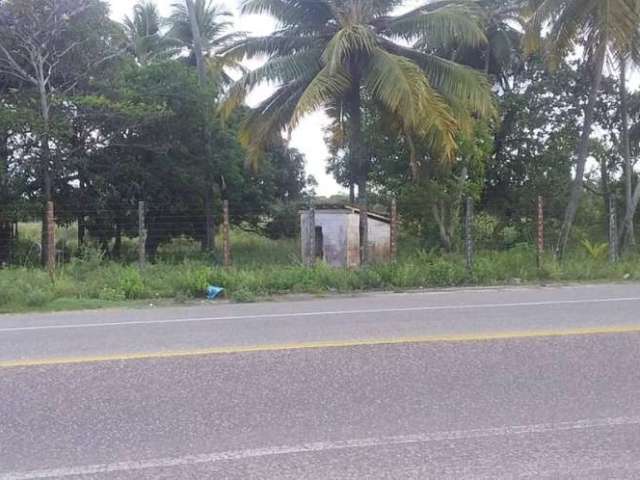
point(540, 231)
point(226, 242)
point(468, 235)
point(142, 235)
point(51, 240)
point(393, 247)
point(613, 231)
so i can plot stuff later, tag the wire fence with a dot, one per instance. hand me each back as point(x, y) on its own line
point(140, 234)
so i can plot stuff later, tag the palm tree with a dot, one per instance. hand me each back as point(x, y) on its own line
point(143, 33)
point(204, 29)
point(627, 234)
point(502, 22)
point(605, 28)
point(328, 53)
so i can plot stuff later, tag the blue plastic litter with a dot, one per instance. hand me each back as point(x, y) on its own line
point(214, 292)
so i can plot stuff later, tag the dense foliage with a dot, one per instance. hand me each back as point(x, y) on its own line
point(123, 117)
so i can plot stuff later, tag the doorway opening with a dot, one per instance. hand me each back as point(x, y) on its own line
point(319, 253)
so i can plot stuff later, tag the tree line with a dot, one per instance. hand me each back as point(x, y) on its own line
point(501, 100)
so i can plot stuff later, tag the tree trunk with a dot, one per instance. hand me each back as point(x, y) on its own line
point(197, 41)
point(582, 153)
point(363, 204)
point(606, 190)
point(633, 206)
point(440, 216)
point(360, 162)
point(5, 224)
point(209, 243)
point(45, 165)
point(198, 51)
point(117, 244)
point(82, 229)
point(627, 236)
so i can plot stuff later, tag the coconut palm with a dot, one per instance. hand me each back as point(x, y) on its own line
point(605, 29)
point(627, 234)
point(215, 28)
point(143, 33)
point(502, 22)
point(341, 52)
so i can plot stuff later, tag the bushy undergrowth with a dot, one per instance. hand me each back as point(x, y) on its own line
point(264, 267)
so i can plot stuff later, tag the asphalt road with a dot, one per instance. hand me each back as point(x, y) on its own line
point(498, 383)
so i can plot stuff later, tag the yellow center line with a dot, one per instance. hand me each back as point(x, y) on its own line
point(452, 338)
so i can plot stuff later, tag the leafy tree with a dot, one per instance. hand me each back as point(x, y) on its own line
point(52, 46)
point(339, 53)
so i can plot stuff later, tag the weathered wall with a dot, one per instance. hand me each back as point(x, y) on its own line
point(341, 237)
point(334, 231)
point(379, 240)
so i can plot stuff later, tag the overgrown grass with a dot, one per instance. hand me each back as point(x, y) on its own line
point(264, 267)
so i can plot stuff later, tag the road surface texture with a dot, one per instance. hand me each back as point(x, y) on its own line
point(526, 383)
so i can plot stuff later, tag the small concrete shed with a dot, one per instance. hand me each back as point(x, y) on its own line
point(335, 236)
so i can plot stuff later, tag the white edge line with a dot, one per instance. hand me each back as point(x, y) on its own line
point(318, 314)
point(315, 447)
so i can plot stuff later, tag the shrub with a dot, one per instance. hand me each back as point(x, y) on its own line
point(26, 253)
point(596, 251)
point(131, 284)
point(111, 294)
point(37, 298)
point(485, 228)
point(243, 295)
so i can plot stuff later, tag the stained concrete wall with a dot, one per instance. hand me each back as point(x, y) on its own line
point(379, 240)
point(341, 237)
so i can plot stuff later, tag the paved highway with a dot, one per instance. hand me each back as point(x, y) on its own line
point(493, 383)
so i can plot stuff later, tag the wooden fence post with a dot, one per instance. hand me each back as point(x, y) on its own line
point(613, 231)
point(540, 231)
point(393, 246)
point(468, 235)
point(226, 242)
point(51, 240)
point(142, 235)
point(309, 237)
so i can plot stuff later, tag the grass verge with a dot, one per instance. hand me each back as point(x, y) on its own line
point(93, 282)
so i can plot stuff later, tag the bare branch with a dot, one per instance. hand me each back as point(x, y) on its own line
point(16, 66)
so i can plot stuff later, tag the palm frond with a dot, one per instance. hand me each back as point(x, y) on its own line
point(445, 26)
point(351, 40)
point(405, 91)
point(326, 85)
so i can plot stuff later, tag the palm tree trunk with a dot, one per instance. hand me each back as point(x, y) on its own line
point(198, 51)
point(360, 162)
point(197, 41)
point(582, 153)
point(627, 234)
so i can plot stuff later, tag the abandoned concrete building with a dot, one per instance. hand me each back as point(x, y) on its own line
point(336, 236)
